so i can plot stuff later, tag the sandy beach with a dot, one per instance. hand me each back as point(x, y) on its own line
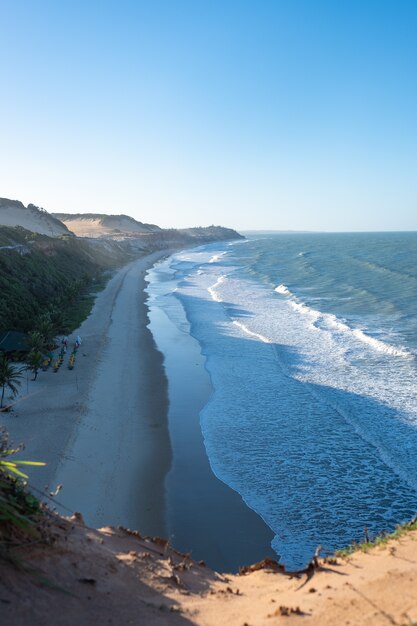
point(102, 428)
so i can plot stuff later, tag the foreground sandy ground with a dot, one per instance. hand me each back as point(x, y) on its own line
point(116, 577)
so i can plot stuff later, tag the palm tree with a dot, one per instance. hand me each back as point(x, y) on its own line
point(34, 361)
point(46, 329)
point(36, 341)
point(10, 376)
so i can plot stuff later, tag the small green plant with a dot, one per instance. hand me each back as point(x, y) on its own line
point(18, 507)
point(380, 540)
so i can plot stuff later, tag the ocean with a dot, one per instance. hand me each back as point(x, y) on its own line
point(310, 343)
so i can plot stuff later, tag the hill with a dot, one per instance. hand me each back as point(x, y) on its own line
point(40, 274)
point(45, 268)
point(100, 225)
point(33, 218)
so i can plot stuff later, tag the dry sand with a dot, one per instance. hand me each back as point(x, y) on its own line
point(101, 427)
point(87, 227)
point(32, 219)
point(114, 577)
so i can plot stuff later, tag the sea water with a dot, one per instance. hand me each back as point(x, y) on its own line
point(310, 341)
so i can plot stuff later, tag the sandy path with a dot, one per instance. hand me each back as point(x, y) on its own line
point(72, 419)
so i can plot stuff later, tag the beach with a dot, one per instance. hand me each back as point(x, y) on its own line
point(102, 428)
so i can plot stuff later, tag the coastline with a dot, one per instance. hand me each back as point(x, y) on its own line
point(120, 574)
point(204, 514)
point(71, 419)
point(125, 451)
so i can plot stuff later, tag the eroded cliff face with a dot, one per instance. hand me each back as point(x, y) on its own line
point(78, 575)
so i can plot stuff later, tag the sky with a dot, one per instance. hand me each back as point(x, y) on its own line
point(253, 114)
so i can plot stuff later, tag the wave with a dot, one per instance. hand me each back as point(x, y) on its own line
point(283, 289)
point(216, 257)
point(294, 383)
point(379, 345)
point(328, 321)
point(377, 267)
point(212, 289)
point(251, 333)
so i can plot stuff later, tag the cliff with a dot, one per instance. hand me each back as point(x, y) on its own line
point(78, 575)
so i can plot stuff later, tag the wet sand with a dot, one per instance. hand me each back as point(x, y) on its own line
point(204, 515)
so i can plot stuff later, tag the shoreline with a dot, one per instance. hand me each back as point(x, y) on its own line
point(204, 514)
point(127, 450)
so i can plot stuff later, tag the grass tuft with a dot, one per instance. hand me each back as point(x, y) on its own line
point(380, 540)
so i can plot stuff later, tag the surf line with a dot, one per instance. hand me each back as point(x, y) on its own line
point(216, 257)
point(251, 333)
point(212, 289)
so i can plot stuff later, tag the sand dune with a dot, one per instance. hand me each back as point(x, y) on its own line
point(14, 213)
point(100, 225)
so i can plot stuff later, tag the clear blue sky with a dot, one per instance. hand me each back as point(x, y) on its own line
point(285, 114)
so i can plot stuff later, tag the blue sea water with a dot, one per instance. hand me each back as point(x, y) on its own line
point(310, 341)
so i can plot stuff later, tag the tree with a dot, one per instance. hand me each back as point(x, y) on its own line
point(46, 329)
point(36, 341)
point(34, 361)
point(10, 376)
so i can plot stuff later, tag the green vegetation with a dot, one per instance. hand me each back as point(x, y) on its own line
point(10, 377)
point(47, 284)
point(19, 509)
point(34, 363)
point(50, 277)
point(380, 540)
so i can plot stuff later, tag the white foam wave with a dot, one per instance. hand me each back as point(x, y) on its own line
point(335, 323)
point(216, 257)
point(302, 308)
point(251, 333)
point(379, 345)
point(212, 289)
point(328, 321)
point(283, 289)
